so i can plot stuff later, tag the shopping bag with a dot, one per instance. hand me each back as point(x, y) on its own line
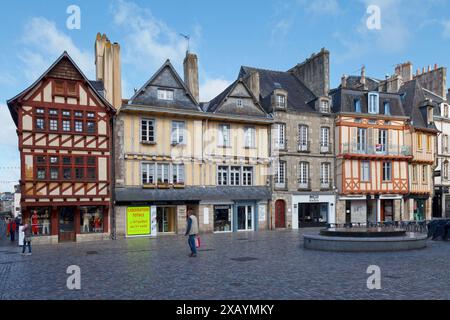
point(197, 242)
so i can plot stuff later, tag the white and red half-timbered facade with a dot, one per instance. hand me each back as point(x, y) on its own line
point(64, 129)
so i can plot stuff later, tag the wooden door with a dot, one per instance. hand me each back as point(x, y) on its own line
point(67, 230)
point(280, 215)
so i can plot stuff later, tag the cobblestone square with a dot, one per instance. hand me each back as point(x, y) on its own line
point(259, 265)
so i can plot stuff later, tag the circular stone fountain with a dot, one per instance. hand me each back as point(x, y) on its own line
point(360, 239)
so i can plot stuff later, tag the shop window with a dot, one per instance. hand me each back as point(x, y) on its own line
point(91, 219)
point(166, 219)
point(222, 218)
point(40, 221)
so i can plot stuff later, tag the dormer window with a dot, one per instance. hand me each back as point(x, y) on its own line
point(430, 115)
point(281, 101)
point(357, 105)
point(239, 103)
point(373, 103)
point(387, 108)
point(446, 110)
point(164, 94)
point(324, 106)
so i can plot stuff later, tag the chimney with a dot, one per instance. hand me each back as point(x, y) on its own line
point(108, 69)
point(190, 65)
point(344, 81)
point(363, 75)
point(315, 72)
point(405, 71)
point(252, 81)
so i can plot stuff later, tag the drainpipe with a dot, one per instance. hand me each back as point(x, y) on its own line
point(113, 180)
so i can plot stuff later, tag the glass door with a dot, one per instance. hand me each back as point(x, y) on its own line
point(245, 218)
point(67, 224)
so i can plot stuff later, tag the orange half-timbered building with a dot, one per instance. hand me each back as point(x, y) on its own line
point(64, 126)
point(372, 159)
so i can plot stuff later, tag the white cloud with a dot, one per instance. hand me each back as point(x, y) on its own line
point(321, 7)
point(211, 88)
point(7, 127)
point(43, 42)
point(446, 31)
point(148, 42)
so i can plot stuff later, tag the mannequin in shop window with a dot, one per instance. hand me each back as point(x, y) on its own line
point(97, 223)
point(46, 223)
point(86, 220)
point(35, 223)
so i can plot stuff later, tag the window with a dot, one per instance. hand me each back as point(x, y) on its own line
point(163, 173)
point(147, 130)
point(324, 106)
point(445, 170)
point(54, 160)
point(445, 142)
point(66, 113)
point(53, 124)
point(66, 125)
point(281, 101)
point(222, 176)
point(419, 141)
point(428, 143)
point(247, 176)
point(41, 175)
point(54, 173)
point(90, 115)
point(303, 138)
point(67, 173)
point(91, 161)
point(224, 135)
point(414, 173)
point(41, 217)
point(430, 115)
point(40, 124)
point(250, 140)
point(90, 127)
point(357, 105)
point(40, 111)
point(235, 173)
point(178, 132)
point(178, 173)
point(78, 126)
point(424, 174)
point(365, 171)
point(165, 94)
point(239, 103)
point(53, 112)
point(79, 173)
point(387, 171)
point(373, 103)
point(382, 140)
point(324, 137)
point(325, 173)
point(91, 173)
point(280, 174)
point(40, 159)
point(387, 108)
point(148, 173)
point(78, 114)
point(91, 219)
point(446, 110)
point(280, 136)
point(361, 140)
point(303, 174)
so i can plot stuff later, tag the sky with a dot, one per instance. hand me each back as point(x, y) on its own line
point(268, 34)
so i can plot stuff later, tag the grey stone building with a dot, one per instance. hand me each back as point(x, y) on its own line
point(301, 141)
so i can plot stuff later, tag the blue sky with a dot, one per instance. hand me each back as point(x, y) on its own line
point(225, 35)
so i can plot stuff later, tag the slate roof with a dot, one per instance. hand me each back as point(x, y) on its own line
point(344, 101)
point(414, 98)
point(354, 82)
point(299, 97)
point(216, 193)
point(142, 97)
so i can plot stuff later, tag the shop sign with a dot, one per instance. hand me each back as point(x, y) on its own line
point(313, 198)
point(138, 221)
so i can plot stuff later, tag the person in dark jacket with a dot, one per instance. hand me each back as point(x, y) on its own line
point(192, 232)
point(27, 239)
point(12, 229)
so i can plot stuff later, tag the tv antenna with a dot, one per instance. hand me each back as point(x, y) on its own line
point(188, 38)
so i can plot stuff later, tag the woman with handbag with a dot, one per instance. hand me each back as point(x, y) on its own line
point(27, 240)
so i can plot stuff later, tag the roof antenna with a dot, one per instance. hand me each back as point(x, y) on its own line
point(188, 38)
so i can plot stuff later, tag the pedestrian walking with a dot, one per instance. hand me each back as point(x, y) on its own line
point(27, 239)
point(12, 229)
point(192, 232)
point(3, 227)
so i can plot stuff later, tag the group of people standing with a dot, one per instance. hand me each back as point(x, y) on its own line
point(13, 228)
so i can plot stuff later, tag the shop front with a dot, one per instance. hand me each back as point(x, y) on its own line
point(313, 210)
point(235, 217)
point(53, 224)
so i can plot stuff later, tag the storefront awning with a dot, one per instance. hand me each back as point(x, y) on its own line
point(193, 194)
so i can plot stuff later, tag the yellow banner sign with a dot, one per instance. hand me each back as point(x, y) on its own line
point(138, 221)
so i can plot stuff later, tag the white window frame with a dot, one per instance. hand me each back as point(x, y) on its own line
point(280, 142)
point(178, 173)
point(280, 101)
point(250, 137)
point(383, 139)
point(163, 171)
point(165, 94)
point(223, 175)
point(361, 140)
point(224, 135)
point(239, 103)
point(365, 171)
point(303, 174)
point(388, 105)
point(150, 169)
point(324, 139)
point(373, 104)
point(178, 135)
point(325, 173)
point(53, 124)
point(148, 132)
point(387, 171)
point(247, 176)
point(324, 106)
point(280, 174)
point(235, 175)
point(303, 136)
point(78, 126)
